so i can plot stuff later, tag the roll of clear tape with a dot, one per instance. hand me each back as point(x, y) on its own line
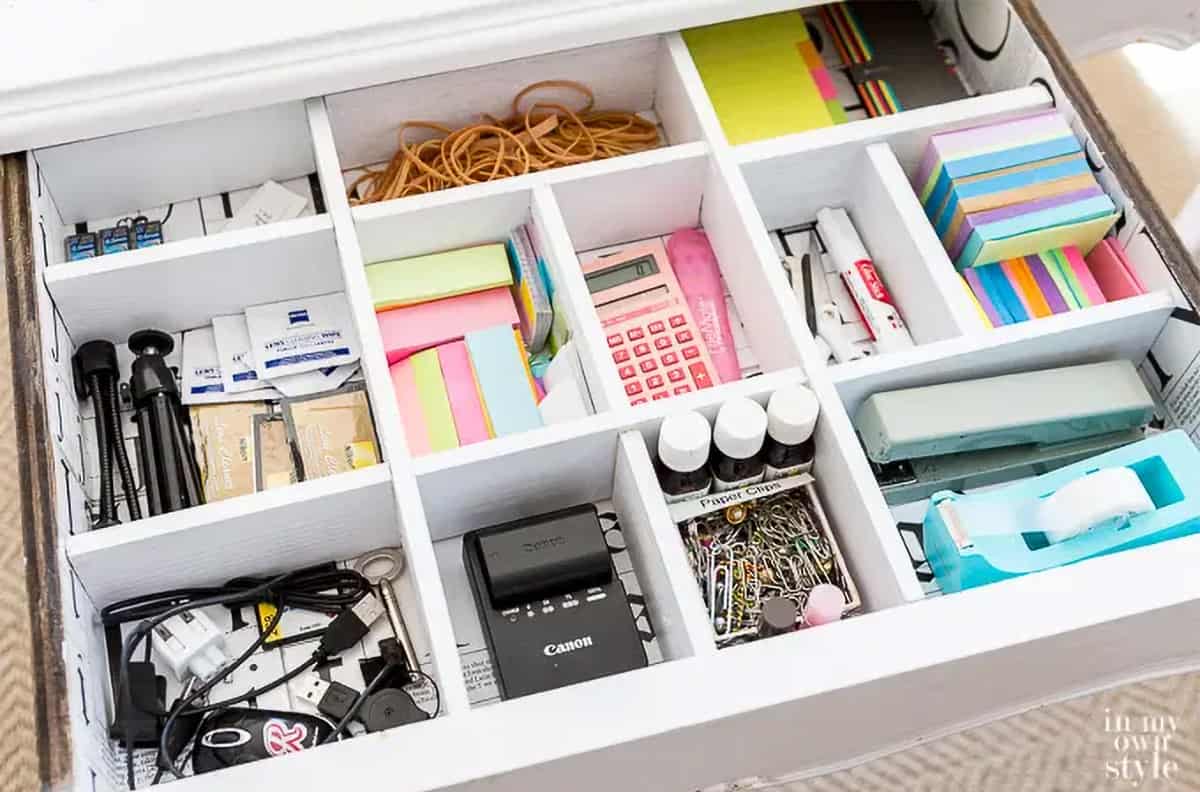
point(1091, 501)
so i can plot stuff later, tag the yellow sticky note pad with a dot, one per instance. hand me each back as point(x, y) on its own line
point(1084, 236)
point(435, 404)
point(415, 280)
point(757, 78)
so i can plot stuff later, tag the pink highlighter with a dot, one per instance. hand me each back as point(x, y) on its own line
point(699, 278)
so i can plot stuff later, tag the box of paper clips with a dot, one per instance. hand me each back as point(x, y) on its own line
point(759, 552)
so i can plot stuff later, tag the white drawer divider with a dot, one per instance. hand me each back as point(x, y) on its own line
point(422, 571)
point(571, 293)
point(676, 609)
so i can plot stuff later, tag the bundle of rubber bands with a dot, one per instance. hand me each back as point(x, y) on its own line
point(544, 134)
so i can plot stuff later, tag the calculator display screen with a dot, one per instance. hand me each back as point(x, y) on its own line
point(622, 273)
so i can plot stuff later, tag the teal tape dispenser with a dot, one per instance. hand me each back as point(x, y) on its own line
point(1143, 493)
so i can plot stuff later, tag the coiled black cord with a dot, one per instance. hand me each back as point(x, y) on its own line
point(128, 485)
point(108, 504)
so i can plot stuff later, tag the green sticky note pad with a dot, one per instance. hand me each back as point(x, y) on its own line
point(422, 278)
point(756, 77)
point(435, 403)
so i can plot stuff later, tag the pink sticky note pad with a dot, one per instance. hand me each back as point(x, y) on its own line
point(404, 383)
point(1115, 275)
point(1090, 287)
point(824, 84)
point(463, 393)
point(410, 329)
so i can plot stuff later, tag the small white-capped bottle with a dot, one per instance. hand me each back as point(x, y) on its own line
point(684, 441)
point(737, 444)
point(791, 417)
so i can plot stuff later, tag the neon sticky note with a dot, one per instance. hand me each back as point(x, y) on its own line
point(500, 368)
point(411, 328)
point(1013, 220)
point(437, 275)
point(1046, 284)
point(1054, 267)
point(404, 384)
point(1084, 233)
point(979, 195)
point(1015, 285)
point(1002, 290)
point(983, 303)
point(435, 404)
point(462, 392)
point(1084, 275)
point(986, 278)
point(1116, 278)
point(1022, 280)
point(1064, 266)
point(757, 78)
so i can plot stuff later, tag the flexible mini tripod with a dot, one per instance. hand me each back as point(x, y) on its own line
point(96, 376)
point(165, 449)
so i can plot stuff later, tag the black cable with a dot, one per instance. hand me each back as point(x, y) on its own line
point(108, 505)
point(358, 702)
point(165, 760)
point(139, 634)
point(128, 485)
point(324, 589)
point(167, 216)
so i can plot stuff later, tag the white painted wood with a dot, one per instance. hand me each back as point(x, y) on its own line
point(920, 268)
point(519, 481)
point(758, 286)
point(572, 296)
point(693, 86)
point(113, 176)
point(907, 133)
point(905, 249)
point(184, 284)
point(422, 583)
point(626, 206)
point(64, 79)
point(290, 527)
point(1122, 329)
point(672, 597)
point(922, 669)
point(622, 76)
point(439, 221)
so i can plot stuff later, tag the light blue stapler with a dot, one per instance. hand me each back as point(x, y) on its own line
point(1143, 493)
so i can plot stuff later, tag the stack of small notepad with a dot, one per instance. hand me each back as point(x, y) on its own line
point(458, 328)
point(1011, 189)
point(1052, 282)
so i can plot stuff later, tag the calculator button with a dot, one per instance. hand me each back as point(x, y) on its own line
point(700, 376)
point(662, 394)
point(635, 334)
point(683, 336)
point(636, 402)
point(669, 358)
point(682, 389)
point(626, 372)
point(675, 375)
point(691, 353)
point(677, 320)
point(662, 342)
point(656, 327)
point(633, 388)
point(648, 365)
point(641, 349)
point(621, 355)
point(614, 340)
point(654, 381)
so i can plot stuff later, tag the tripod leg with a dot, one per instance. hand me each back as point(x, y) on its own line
point(188, 470)
point(150, 462)
point(162, 419)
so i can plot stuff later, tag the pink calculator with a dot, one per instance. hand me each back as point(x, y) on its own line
point(652, 335)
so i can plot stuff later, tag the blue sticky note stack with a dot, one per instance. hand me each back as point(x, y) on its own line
point(504, 380)
point(1010, 189)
